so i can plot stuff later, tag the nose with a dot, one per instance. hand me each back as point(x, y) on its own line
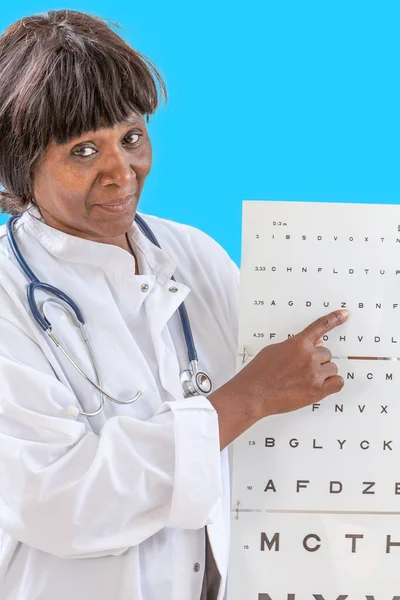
point(117, 169)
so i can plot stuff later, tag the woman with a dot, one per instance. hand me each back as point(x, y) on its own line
point(131, 501)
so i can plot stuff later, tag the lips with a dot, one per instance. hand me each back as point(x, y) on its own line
point(117, 204)
point(117, 201)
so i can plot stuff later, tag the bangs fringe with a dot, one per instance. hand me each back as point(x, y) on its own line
point(62, 74)
point(81, 94)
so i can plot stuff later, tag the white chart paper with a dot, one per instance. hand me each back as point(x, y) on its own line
point(330, 471)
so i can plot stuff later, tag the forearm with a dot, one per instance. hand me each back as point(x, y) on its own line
point(235, 413)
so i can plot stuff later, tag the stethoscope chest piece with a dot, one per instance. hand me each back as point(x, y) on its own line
point(195, 382)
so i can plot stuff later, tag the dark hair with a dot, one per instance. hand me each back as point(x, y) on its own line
point(61, 74)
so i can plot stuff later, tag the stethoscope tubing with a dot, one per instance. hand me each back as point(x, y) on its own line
point(36, 284)
point(186, 327)
point(194, 381)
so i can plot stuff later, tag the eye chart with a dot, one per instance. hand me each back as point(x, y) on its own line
point(316, 493)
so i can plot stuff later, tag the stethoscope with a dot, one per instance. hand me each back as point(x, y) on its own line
point(194, 382)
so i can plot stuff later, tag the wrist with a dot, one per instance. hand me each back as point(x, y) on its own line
point(236, 413)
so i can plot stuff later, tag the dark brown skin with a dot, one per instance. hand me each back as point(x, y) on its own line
point(281, 378)
point(74, 180)
point(73, 183)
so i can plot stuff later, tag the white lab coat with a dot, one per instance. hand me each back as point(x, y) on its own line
point(113, 507)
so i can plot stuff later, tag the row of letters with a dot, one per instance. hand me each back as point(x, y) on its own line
point(265, 596)
point(339, 304)
point(332, 487)
point(377, 339)
point(365, 239)
point(314, 444)
point(332, 271)
point(362, 409)
point(312, 542)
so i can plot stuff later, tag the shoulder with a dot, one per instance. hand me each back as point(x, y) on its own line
point(6, 255)
point(13, 301)
point(177, 232)
point(3, 239)
point(192, 247)
point(203, 265)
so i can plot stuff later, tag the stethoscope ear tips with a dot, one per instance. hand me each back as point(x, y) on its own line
point(71, 411)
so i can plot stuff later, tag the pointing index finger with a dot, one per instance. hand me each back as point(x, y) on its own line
point(318, 328)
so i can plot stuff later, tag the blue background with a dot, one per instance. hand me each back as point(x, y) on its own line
point(290, 100)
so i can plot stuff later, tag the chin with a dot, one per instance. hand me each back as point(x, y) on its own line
point(110, 223)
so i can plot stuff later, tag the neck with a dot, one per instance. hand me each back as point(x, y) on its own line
point(122, 241)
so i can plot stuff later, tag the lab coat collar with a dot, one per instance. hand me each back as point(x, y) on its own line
point(151, 259)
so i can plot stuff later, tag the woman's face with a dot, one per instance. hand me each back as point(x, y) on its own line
point(90, 186)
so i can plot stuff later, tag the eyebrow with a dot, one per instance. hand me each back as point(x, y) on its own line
point(129, 123)
point(132, 121)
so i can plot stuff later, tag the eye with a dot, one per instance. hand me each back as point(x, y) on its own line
point(85, 151)
point(133, 138)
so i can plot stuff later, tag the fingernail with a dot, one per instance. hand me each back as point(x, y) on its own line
point(345, 313)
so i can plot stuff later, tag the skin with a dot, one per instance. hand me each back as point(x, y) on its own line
point(281, 378)
point(74, 181)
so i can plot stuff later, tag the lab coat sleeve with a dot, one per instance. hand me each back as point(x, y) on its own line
point(72, 493)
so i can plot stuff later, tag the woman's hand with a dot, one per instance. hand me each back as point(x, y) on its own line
point(281, 378)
